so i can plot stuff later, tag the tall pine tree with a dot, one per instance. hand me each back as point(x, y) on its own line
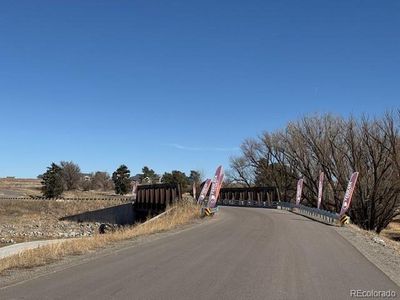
point(121, 180)
point(52, 182)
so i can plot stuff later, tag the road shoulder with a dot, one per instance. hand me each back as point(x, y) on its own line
point(383, 254)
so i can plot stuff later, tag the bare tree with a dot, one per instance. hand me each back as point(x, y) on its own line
point(71, 175)
point(241, 171)
point(101, 181)
point(337, 147)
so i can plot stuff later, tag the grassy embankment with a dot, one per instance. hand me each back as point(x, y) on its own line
point(27, 220)
point(392, 231)
point(183, 213)
point(17, 212)
point(30, 187)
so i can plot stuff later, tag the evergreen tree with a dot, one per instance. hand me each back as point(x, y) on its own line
point(121, 180)
point(195, 177)
point(176, 177)
point(149, 175)
point(52, 182)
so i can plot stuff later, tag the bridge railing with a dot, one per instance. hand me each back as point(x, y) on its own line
point(248, 196)
point(248, 203)
point(311, 212)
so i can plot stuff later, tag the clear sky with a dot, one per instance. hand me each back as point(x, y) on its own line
point(180, 84)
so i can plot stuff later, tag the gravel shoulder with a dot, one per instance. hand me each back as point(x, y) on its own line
point(382, 252)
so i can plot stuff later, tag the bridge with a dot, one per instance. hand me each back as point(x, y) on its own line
point(248, 196)
point(150, 200)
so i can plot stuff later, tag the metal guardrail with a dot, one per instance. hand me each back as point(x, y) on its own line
point(208, 212)
point(316, 214)
point(311, 212)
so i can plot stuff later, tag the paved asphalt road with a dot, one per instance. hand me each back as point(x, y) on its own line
point(245, 253)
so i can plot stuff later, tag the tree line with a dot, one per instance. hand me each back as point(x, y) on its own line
point(67, 176)
point(336, 146)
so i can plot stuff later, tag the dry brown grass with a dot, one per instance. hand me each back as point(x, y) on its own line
point(19, 187)
point(19, 183)
point(20, 219)
point(17, 211)
point(183, 213)
point(392, 231)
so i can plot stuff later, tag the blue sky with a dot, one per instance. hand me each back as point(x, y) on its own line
point(180, 84)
